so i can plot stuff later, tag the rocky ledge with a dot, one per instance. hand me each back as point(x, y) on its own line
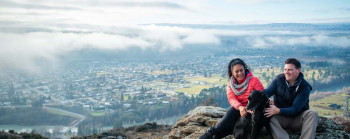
point(198, 120)
point(145, 131)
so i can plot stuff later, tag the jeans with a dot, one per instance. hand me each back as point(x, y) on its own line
point(225, 126)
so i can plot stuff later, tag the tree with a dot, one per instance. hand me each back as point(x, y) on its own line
point(19, 101)
point(11, 92)
point(80, 130)
point(11, 131)
point(346, 107)
point(143, 90)
point(122, 96)
point(37, 103)
point(223, 74)
point(129, 97)
point(94, 131)
point(192, 98)
point(209, 102)
point(118, 124)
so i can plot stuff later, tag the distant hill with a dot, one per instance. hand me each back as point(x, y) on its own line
point(272, 26)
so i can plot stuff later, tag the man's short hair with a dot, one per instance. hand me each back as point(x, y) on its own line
point(293, 61)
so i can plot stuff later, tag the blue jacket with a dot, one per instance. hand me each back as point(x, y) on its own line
point(291, 100)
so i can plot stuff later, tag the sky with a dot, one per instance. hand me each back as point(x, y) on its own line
point(121, 12)
point(35, 29)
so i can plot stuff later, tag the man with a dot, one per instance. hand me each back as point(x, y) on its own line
point(290, 109)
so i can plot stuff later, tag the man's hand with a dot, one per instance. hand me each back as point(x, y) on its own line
point(271, 102)
point(273, 110)
point(242, 111)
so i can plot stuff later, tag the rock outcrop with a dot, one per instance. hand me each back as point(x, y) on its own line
point(145, 131)
point(198, 120)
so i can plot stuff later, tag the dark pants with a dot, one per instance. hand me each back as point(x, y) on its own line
point(225, 126)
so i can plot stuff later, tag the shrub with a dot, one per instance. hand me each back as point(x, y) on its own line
point(11, 131)
point(343, 121)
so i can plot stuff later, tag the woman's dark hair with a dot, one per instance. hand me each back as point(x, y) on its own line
point(234, 62)
point(293, 61)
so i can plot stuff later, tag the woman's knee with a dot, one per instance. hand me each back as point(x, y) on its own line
point(227, 122)
point(232, 111)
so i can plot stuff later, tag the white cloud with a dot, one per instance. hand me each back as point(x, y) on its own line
point(21, 50)
point(201, 37)
point(313, 40)
point(252, 2)
point(174, 38)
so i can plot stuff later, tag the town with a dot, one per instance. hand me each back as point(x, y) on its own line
point(97, 85)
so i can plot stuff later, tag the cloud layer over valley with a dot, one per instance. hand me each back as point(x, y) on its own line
point(45, 31)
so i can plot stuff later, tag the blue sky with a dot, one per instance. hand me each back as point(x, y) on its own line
point(304, 11)
point(116, 12)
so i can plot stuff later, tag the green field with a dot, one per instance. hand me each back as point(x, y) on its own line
point(209, 82)
point(193, 90)
point(322, 105)
point(97, 113)
point(215, 79)
point(57, 112)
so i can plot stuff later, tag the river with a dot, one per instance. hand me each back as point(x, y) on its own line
point(38, 128)
point(74, 130)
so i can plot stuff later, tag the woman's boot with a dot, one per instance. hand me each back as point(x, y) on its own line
point(209, 134)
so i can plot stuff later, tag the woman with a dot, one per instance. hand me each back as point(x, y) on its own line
point(240, 85)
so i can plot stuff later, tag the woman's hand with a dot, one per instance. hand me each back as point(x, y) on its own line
point(242, 111)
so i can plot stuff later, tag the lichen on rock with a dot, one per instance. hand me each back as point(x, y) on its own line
point(198, 120)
